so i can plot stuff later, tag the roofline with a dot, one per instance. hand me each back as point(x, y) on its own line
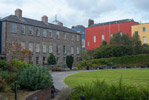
point(140, 24)
point(3, 20)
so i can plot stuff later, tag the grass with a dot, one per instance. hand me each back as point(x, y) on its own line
point(129, 76)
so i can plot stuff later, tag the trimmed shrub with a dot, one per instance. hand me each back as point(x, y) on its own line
point(141, 59)
point(51, 59)
point(69, 61)
point(34, 78)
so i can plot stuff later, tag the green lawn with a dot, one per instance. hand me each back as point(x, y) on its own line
point(129, 76)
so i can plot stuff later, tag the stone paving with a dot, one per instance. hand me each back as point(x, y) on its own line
point(58, 77)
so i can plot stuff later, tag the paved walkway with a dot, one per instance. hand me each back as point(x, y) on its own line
point(58, 78)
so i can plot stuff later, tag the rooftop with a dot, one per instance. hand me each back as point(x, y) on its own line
point(28, 21)
point(112, 22)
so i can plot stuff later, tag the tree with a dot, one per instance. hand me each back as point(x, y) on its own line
point(104, 42)
point(16, 51)
point(69, 61)
point(51, 59)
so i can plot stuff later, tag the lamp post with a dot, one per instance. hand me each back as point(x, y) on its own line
point(15, 90)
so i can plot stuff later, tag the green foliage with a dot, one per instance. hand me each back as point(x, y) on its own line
point(12, 86)
point(3, 65)
point(142, 59)
point(69, 61)
point(4, 74)
point(51, 59)
point(104, 42)
point(100, 90)
point(17, 64)
point(2, 84)
point(34, 78)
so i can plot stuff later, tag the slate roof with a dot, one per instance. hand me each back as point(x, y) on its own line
point(32, 22)
point(112, 22)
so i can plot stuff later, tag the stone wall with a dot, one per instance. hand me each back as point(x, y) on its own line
point(44, 94)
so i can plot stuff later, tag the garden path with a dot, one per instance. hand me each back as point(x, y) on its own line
point(58, 77)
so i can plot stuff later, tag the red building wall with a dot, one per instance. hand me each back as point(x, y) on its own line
point(124, 27)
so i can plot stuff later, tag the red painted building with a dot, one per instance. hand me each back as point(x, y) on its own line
point(96, 33)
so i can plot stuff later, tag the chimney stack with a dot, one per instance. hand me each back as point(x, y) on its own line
point(60, 23)
point(90, 22)
point(18, 13)
point(45, 19)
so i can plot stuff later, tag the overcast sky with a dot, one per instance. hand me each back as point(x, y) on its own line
point(77, 12)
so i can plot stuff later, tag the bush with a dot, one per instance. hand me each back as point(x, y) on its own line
point(141, 59)
point(69, 61)
point(17, 64)
point(12, 86)
point(51, 59)
point(2, 84)
point(34, 78)
point(4, 74)
point(3, 65)
point(99, 90)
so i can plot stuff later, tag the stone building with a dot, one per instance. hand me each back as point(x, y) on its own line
point(40, 37)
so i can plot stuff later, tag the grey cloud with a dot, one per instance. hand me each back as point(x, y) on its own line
point(141, 4)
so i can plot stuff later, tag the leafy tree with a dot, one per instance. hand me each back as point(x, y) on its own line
point(16, 51)
point(104, 42)
point(51, 59)
point(69, 61)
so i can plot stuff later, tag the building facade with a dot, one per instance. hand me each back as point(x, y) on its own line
point(96, 33)
point(143, 31)
point(40, 37)
point(80, 29)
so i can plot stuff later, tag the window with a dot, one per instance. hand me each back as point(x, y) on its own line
point(57, 60)
point(37, 32)
point(64, 36)
point(50, 33)
point(136, 33)
point(144, 29)
point(103, 37)
point(64, 49)
point(83, 43)
point(14, 28)
point(111, 35)
point(72, 50)
point(58, 34)
point(30, 30)
point(31, 46)
point(72, 37)
point(44, 49)
point(78, 37)
point(23, 45)
point(94, 38)
point(88, 43)
point(44, 60)
point(64, 59)
point(37, 47)
point(44, 33)
point(37, 60)
point(22, 29)
point(58, 49)
point(50, 49)
point(144, 40)
point(78, 51)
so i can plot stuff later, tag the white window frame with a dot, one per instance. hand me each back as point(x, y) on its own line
point(37, 31)
point(72, 50)
point(78, 50)
point(50, 49)
point(37, 47)
point(94, 38)
point(14, 28)
point(64, 36)
point(103, 37)
point(58, 34)
point(44, 48)
point(30, 46)
point(44, 33)
point(88, 43)
point(30, 30)
point(22, 29)
point(23, 45)
point(144, 40)
point(50, 33)
point(111, 35)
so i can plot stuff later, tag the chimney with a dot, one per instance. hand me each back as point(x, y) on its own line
point(90, 22)
point(18, 13)
point(60, 23)
point(45, 19)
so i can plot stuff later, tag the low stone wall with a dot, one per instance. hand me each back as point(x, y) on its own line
point(44, 94)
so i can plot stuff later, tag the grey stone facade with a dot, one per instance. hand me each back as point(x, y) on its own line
point(45, 43)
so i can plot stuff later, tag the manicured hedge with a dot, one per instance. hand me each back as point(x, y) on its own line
point(142, 59)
